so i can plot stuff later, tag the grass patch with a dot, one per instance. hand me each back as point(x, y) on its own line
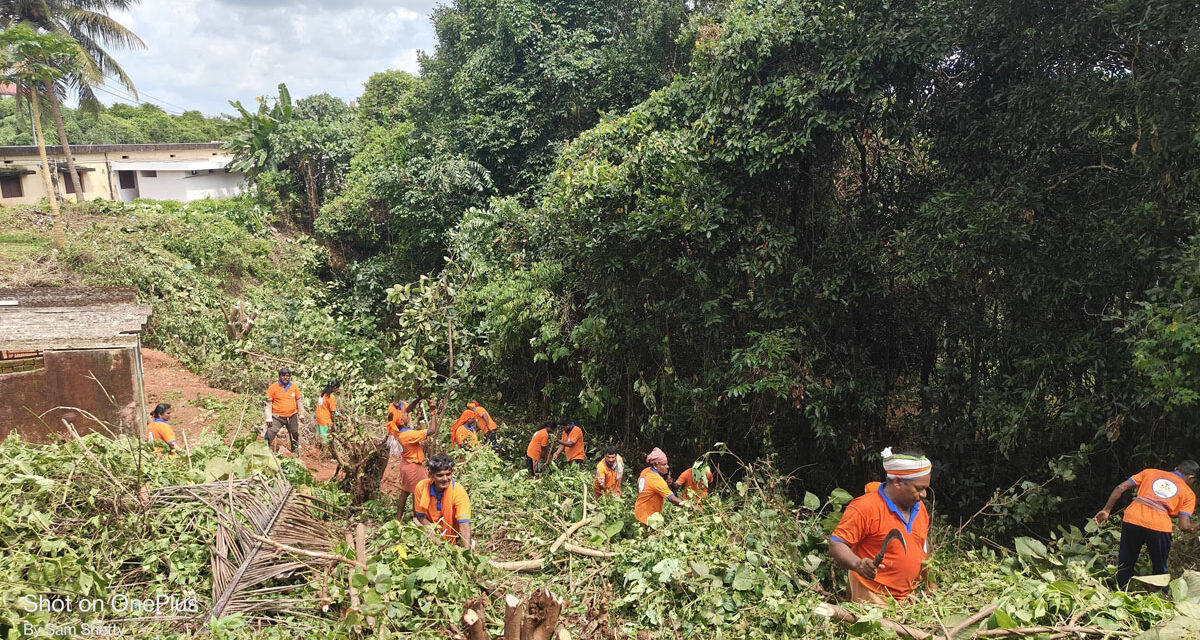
point(16, 246)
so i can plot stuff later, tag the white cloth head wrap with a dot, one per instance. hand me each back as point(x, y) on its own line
point(905, 466)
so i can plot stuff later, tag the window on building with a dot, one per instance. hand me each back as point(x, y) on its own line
point(10, 186)
point(149, 174)
point(125, 178)
point(65, 178)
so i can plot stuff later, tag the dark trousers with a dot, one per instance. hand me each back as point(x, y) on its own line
point(1132, 539)
point(534, 466)
point(292, 423)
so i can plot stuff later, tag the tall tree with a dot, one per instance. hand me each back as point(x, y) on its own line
point(90, 28)
point(30, 60)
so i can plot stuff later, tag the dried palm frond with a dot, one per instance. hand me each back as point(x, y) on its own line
point(246, 570)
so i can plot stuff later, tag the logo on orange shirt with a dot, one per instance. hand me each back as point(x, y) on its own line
point(1164, 488)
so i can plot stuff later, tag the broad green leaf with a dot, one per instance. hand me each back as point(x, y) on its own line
point(1178, 590)
point(1160, 580)
point(811, 501)
point(1002, 620)
point(1029, 547)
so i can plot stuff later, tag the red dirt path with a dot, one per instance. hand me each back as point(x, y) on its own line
point(168, 381)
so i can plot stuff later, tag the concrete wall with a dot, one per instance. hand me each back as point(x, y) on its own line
point(66, 381)
point(184, 187)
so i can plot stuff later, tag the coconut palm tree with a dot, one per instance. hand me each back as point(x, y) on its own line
point(31, 59)
point(89, 25)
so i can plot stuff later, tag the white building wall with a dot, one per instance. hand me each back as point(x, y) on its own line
point(185, 187)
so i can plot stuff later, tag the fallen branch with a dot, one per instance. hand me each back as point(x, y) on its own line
point(570, 531)
point(586, 551)
point(88, 452)
point(834, 612)
point(973, 620)
point(519, 565)
point(1033, 631)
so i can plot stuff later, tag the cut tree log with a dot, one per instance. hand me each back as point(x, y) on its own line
point(473, 619)
point(541, 616)
point(514, 611)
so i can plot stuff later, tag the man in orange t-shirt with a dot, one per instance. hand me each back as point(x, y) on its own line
point(443, 504)
point(686, 481)
point(467, 436)
point(868, 519)
point(653, 491)
point(412, 455)
point(609, 473)
point(283, 398)
point(570, 443)
point(539, 445)
point(1161, 495)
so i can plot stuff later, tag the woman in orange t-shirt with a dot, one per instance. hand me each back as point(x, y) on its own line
point(159, 429)
point(327, 409)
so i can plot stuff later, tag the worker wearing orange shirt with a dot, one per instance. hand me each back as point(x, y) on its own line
point(539, 446)
point(397, 412)
point(1160, 496)
point(327, 409)
point(412, 455)
point(485, 426)
point(159, 429)
point(653, 489)
point(283, 407)
point(467, 435)
point(870, 519)
point(609, 473)
point(570, 444)
point(443, 504)
point(694, 481)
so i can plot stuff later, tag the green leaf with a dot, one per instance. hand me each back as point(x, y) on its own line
point(811, 501)
point(1178, 590)
point(1029, 547)
point(840, 497)
point(1001, 620)
point(1160, 580)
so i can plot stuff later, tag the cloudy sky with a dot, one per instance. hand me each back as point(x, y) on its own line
point(202, 53)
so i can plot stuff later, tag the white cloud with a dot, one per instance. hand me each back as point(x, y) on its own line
point(202, 53)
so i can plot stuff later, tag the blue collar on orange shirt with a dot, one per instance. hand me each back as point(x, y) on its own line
point(285, 387)
point(157, 419)
point(912, 514)
point(434, 494)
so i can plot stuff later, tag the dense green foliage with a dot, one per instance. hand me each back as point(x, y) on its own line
point(743, 564)
point(118, 124)
point(827, 228)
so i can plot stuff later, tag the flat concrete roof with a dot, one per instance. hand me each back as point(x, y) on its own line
point(30, 150)
point(69, 318)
